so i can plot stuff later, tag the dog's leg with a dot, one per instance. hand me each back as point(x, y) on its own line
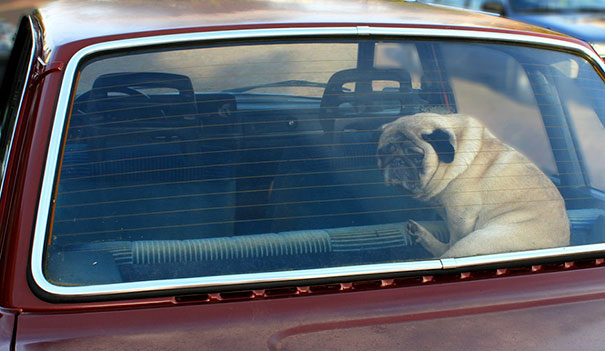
point(425, 238)
point(496, 239)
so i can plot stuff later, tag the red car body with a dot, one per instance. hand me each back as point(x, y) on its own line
point(559, 304)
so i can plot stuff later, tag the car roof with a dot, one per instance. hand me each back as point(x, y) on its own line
point(67, 21)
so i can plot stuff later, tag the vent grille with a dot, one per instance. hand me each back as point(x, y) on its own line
point(257, 246)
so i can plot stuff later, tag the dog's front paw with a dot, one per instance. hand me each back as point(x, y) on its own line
point(418, 232)
point(412, 227)
point(424, 237)
point(414, 230)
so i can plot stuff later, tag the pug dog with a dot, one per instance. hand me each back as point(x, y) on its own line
point(492, 198)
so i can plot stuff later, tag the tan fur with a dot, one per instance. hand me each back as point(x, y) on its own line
point(491, 197)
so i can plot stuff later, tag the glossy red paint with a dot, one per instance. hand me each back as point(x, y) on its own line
point(37, 115)
point(470, 315)
point(517, 311)
point(128, 17)
point(7, 328)
point(138, 18)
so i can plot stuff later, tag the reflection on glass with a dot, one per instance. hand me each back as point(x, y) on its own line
point(283, 156)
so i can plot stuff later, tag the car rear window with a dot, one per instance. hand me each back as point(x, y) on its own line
point(235, 159)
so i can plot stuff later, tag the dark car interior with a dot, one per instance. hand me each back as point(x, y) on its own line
point(239, 182)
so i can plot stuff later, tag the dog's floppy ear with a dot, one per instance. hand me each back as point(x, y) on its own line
point(441, 141)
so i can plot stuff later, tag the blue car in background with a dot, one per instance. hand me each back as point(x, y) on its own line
point(583, 19)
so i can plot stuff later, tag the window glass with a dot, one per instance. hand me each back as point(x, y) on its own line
point(280, 156)
point(510, 87)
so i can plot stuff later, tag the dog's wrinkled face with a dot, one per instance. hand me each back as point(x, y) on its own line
point(409, 158)
point(401, 160)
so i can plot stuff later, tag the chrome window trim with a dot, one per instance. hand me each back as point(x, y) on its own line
point(242, 279)
point(543, 254)
point(6, 159)
point(285, 276)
